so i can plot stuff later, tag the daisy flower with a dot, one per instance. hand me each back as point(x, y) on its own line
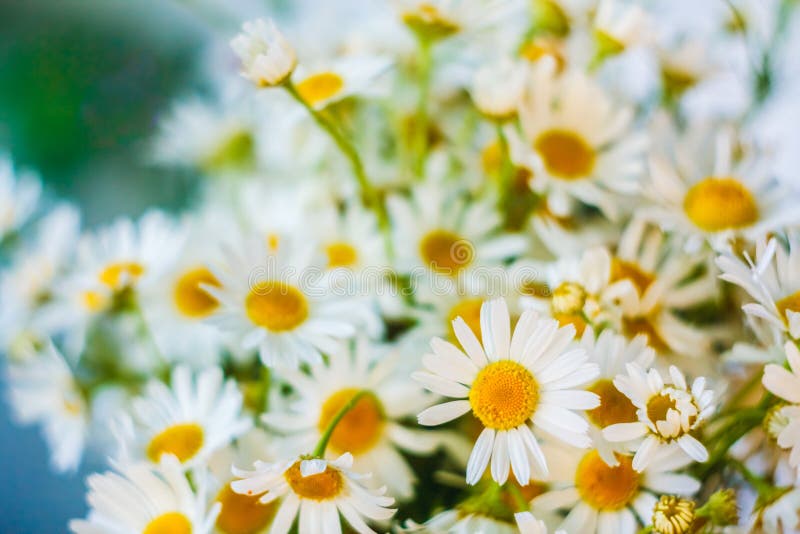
point(371, 431)
point(576, 151)
point(715, 200)
point(617, 27)
point(612, 499)
point(277, 300)
point(667, 413)
point(145, 498)
point(786, 385)
point(319, 490)
point(191, 419)
point(509, 382)
point(342, 78)
point(19, 196)
point(267, 57)
point(771, 280)
point(43, 390)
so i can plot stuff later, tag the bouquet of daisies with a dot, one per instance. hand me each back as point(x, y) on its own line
point(466, 266)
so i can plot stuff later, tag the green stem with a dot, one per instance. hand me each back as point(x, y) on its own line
point(421, 124)
point(758, 483)
point(322, 444)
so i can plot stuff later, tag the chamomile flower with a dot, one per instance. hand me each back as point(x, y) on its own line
point(786, 385)
point(267, 57)
point(612, 499)
point(319, 490)
point(576, 151)
point(145, 498)
point(279, 302)
point(348, 76)
point(43, 390)
point(770, 280)
point(19, 196)
point(667, 413)
point(617, 27)
point(371, 431)
point(190, 419)
point(508, 383)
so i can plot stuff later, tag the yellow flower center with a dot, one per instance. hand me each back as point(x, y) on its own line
point(243, 514)
point(470, 311)
point(192, 300)
point(716, 204)
point(635, 326)
point(429, 22)
point(626, 270)
point(183, 440)
point(789, 303)
point(566, 155)
point(360, 428)
point(504, 395)
point(320, 487)
point(565, 319)
point(341, 254)
point(492, 159)
point(614, 407)
point(445, 252)
point(658, 406)
point(115, 274)
point(169, 523)
point(673, 515)
point(276, 306)
point(319, 87)
point(606, 488)
point(94, 301)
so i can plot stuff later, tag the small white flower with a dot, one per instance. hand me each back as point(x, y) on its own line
point(786, 385)
point(667, 411)
point(339, 79)
point(319, 490)
point(267, 57)
point(509, 382)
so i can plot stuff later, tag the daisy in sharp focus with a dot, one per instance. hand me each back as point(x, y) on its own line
point(319, 491)
point(372, 430)
point(576, 142)
point(509, 382)
point(190, 419)
point(786, 385)
point(667, 413)
point(344, 77)
point(148, 499)
point(611, 499)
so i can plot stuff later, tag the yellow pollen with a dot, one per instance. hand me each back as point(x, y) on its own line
point(566, 155)
point(169, 523)
point(428, 22)
point(94, 301)
point(716, 204)
point(504, 395)
point(627, 270)
point(789, 303)
point(606, 488)
point(183, 440)
point(568, 299)
point(116, 274)
point(276, 306)
point(614, 407)
point(320, 487)
point(341, 254)
point(192, 300)
point(673, 515)
point(446, 252)
point(470, 311)
point(360, 428)
point(658, 406)
point(319, 87)
point(634, 326)
point(243, 514)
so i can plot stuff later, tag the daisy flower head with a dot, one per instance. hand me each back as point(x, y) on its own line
point(511, 384)
point(141, 497)
point(267, 57)
point(716, 200)
point(278, 301)
point(42, 389)
point(612, 499)
point(320, 490)
point(770, 278)
point(576, 151)
point(786, 384)
point(667, 413)
point(371, 431)
point(19, 196)
point(345, 77)
point(191, 419)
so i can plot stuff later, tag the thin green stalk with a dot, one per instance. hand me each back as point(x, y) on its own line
point(322, 444)
point(421, 124)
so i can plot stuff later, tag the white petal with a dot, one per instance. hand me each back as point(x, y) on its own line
point(442, 413)
point(479, 458)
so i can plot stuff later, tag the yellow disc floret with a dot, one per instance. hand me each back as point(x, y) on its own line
point(243, 514)
point(360, 428)
point(183, 440)
point(320, 487)
point(121, 273)
point(445, 252)
point(565, 154)
point(319, 87)
point(504, 395)
point(716, 204)
point(192, 300)
point(606, 488)
point(169, 523)
point(276, 306)
point(341, 254)
point(614, 407)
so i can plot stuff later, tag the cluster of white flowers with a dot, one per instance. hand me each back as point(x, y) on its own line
point(450, 278)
